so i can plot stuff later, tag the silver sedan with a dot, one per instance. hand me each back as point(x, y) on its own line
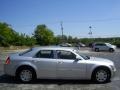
point(58, 63)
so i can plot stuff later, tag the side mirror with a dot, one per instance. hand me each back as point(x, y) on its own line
point(77, 58)
point(88, 57)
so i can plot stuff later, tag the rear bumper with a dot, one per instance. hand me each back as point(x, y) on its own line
point(9, 70)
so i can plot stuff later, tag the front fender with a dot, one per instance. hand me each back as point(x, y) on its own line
point(90, 69)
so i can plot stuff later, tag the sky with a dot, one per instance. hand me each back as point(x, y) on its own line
point(77, 15)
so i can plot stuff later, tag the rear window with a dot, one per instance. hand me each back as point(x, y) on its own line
point(29, 50)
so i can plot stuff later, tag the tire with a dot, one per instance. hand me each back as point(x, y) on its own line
point(26, 74)
point(111, 50)
point(97, 49)
point(101, 75)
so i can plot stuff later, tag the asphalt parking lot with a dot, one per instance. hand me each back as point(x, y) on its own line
point(9, 83)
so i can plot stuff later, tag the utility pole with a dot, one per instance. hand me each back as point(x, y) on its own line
point(90, 32)
point(61, 24)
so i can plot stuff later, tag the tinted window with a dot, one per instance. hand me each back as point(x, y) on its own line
point(100, 45)
point(27, 51)
point(65, 55)
point(45, 54)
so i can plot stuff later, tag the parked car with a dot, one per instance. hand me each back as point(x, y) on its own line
point(58, 63)
point(80, 45)
point(103, 47)
point(65, 45)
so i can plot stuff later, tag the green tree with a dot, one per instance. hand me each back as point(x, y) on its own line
point(7, 33)
point(23, 39)
point(10, 37)
point(30, 41)
point(43, 35)
point(70, 39)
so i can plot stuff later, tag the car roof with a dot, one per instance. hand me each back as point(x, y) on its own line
point(54, 48)
point(99, 43)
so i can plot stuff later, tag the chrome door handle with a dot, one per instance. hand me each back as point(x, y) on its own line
point(35, 61)
point(59, 62)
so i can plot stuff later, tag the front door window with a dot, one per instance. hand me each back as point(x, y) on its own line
point(66, 55)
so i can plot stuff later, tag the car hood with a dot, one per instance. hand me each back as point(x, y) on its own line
point(101, 60)
point(113, 46)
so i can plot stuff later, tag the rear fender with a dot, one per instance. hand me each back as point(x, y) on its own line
point(27, 64)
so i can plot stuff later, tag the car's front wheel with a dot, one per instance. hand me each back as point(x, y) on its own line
point(101, 75)
point(26, 74)
point(111, 50)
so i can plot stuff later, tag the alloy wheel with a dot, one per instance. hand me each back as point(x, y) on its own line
point(26, 75)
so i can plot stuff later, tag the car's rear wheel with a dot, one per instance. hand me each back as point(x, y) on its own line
point(101, 75)
point(26, 74)
point(97, 49)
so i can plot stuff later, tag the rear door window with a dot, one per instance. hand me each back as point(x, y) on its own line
point(45, 54)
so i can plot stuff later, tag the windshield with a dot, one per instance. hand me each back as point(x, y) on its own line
point(108, 44)
point(83, 56)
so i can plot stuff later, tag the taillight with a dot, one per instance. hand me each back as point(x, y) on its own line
point(7, 60)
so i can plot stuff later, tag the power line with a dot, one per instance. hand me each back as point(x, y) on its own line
point(74, 21)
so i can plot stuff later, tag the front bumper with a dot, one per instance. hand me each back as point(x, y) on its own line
point(113, 72)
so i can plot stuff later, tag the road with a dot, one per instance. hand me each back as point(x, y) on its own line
point(9, 83)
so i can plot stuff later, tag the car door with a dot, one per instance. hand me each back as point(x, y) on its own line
point(68, 67)
point(104, 47)
point(46, 64)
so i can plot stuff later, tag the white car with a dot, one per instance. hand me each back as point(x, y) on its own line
point(58, 63)
point(103, 47)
